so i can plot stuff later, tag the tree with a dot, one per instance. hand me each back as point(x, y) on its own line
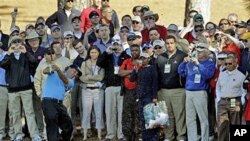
point(202, 6)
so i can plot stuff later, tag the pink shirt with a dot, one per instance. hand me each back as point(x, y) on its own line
point(86, 23)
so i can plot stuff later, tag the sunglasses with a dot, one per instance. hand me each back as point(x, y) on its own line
point(67, 38)
point(135, 22)
point(16, 41)
point(221, 58)
point(240, 27)
point(70, 1)
point(124, 31)
point(229, 64)
point(157, 47)
point(105, 0)
point(210, 28)
point(131, 39)
point(149, 18)
point(145, 48)
point(199, 30)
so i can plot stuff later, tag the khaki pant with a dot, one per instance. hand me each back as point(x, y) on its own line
point(196, 104)
point(67, 102)
point(227, 116)
point(175, 102)
point(38, 113)
point(92, 98)
point(113, 110)
point(15, 100)
point(4, 106)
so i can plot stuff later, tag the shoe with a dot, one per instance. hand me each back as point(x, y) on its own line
point(122, 139)
point(37, 138)
point(108, 139)
point(166, 140)
point(211, 138)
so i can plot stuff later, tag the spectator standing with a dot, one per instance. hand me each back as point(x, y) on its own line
point(63, 17)
point(4, 38)
point(42, 32)
point(130, 108)
point(16, 63)
point(105, 40)
point(77, 24)
point(92, 93)
point(172, 89)
point(230, 97)
point(111, 61)
point(86, 23)
point(146, 91)
point(197, 72)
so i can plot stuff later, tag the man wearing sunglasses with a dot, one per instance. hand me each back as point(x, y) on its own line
point(241, 28)
point(197, 71)
point(158, 46)
point(20, 91)
point(230, 97)
point(150, 19)
point(64, 16)
point(137, 24)
point(189, 32)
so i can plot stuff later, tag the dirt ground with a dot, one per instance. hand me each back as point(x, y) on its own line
point(170, 11)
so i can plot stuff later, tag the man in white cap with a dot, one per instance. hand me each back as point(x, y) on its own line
point(111, 61)
point(197, 71)
point(20, 91)
point(68, 50)
point(137, 24)
point(158, 46)
point(149, 19)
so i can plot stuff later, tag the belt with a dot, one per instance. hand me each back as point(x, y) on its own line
point(53, 100)
point(229, 98)
point(92, 88)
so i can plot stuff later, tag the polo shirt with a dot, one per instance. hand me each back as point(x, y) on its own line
point(103, 46)
point(55, 88)
point(161, 29)
point(128, 65)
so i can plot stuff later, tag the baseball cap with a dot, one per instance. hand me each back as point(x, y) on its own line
point(29, 26)
point(131, 36)
point(116, 40)
point(198, 17)
point(49, 51)
point(145, 55)
point(75, 17)
point(14, 29)
point(222, 55)
point(54, 27)
point(172, 27)
point(137, 18)
point(241, 24)
point(124, 27)
point(245, 36)
point(93, 13)
point(138, 34)
point(73, 66)
point(146, 46)
point(158, 43)
point(12, 39)
point(67, 33)
point(38, 24)
point(201, 46)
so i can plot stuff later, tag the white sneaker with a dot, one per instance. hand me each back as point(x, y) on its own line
point(166, 140)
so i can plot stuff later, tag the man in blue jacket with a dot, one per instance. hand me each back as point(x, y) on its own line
point(197, 70)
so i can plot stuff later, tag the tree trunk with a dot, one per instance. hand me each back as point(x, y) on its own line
point(202, 6)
